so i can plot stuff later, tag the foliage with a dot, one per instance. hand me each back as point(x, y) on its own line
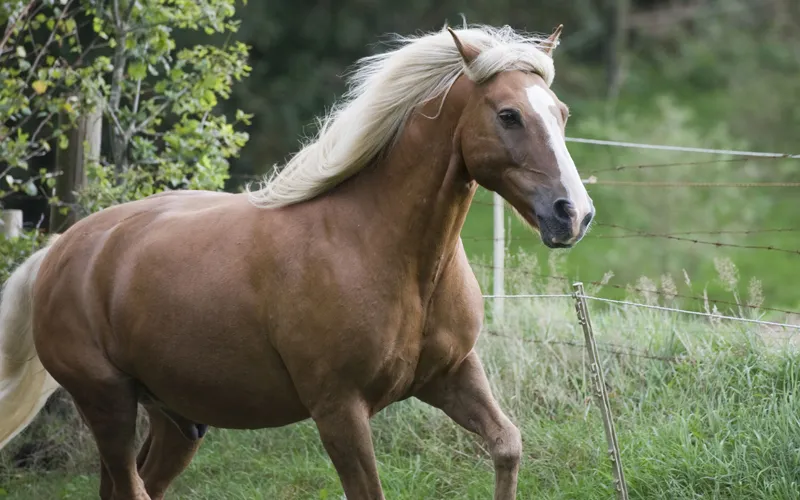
point(13, 251)
point(158, 99)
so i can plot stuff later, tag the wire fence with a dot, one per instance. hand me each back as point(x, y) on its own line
point(684, 149)
point(630, 288)
point(641, 166)
point(694, 313)
point(593, 347)
point(677, 236)
point(607, 347)
point(689, 184)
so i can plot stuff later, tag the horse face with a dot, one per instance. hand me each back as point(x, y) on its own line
point(512, 141)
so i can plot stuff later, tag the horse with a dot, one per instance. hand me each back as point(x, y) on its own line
point(336, 287)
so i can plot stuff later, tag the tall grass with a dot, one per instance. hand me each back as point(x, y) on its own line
point(715, 418)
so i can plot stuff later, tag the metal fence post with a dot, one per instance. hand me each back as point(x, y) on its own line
point(599, 391)
point(499, 255)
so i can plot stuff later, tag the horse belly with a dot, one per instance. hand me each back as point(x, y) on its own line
point(246, 388)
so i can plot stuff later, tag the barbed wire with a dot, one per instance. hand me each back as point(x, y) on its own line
point(632, 288)
point(681, 233)
point(694, 313)
point(675, 164)
point(702, 242)
point(602, 346)
point(530, 296)
point(645, 234)
point(532, 237)
point(685, 149)
point(688, 184)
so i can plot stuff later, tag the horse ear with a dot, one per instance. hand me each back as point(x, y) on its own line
point(468, 53)
point(552, 41)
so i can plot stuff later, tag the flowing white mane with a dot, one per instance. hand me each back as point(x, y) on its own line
point(383, 91)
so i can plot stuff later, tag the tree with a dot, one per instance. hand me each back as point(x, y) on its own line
point(60, 59)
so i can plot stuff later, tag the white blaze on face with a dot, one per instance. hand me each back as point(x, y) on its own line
point(544, 106)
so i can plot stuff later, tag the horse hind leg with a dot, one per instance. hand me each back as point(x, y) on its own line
point(170, 446)
point(108, 405)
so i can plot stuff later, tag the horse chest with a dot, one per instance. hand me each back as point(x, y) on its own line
point(443, 343)
point(416, 356)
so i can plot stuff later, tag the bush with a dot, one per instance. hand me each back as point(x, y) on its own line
point(13, 251)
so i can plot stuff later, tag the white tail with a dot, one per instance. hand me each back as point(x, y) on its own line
point(25, 385)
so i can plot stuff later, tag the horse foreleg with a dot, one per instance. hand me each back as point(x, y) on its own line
point(465, 396)
point(347, 437)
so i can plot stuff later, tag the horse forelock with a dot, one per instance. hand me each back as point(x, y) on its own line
point(383, 91)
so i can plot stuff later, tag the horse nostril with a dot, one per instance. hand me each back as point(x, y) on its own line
point(563, 209)
point(588, 218)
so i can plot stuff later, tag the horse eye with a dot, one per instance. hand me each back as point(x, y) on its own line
point(510, 118)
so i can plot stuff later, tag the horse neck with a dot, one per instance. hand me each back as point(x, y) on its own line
point(417, 197)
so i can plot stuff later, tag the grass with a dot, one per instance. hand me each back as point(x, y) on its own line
point(720, 421)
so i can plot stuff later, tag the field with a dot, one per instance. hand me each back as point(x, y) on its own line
point(714, 417)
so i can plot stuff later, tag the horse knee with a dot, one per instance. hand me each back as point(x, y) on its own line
point(506, 449)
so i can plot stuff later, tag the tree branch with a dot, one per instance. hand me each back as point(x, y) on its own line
point(158, 112)
point(138, 85)
point(118, 140)
point(47, 44)
point(11, 26)
point(129, 11)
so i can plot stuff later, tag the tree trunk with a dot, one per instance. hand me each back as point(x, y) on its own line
point(84, 146)
point(617, 49)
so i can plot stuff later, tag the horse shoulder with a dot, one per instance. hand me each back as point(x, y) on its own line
point(454, 319)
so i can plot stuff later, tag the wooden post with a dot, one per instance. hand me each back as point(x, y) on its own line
point(599, 391)
point(84, 146)
point(12, 223)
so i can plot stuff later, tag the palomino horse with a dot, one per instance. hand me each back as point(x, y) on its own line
point(337, 288)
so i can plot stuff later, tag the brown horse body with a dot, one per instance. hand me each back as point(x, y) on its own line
point(209, 310)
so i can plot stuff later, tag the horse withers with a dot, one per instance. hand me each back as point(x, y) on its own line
point(337, 287)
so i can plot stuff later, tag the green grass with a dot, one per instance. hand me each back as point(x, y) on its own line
point(719, 422)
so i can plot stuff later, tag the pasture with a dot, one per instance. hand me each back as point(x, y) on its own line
point(703, 409)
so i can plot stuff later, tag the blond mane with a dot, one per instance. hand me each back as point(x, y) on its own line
point(383, 91)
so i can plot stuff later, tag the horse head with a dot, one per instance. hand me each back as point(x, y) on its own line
point(512, 137)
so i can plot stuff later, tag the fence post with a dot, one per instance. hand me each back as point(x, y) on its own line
point(599, 391)
point(84, 146)
point(12, 223)
point(499, 255)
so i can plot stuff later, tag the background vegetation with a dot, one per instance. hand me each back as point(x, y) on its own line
point(708, 73)
point(195, 94)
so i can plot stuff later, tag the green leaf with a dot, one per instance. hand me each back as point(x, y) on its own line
point(39, 86)
point(137, 70)
point(30, 188)
point(21, 51)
